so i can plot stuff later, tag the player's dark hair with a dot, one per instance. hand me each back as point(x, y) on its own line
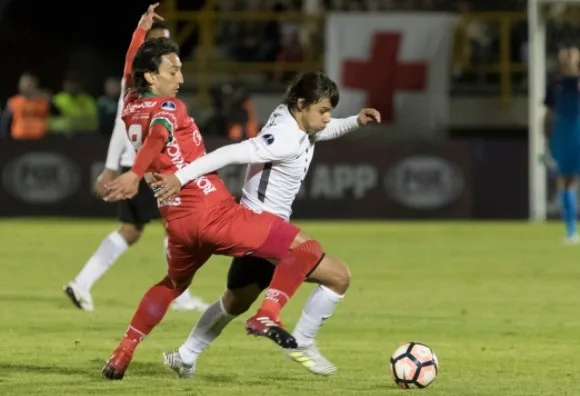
point(158, 25)
point(312, 87)
point(148, 58)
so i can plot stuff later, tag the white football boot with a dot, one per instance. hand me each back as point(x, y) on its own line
point(311, 359)
point(79, 297)
point(173, 361)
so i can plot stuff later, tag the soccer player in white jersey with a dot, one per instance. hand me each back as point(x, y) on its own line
point(133, 214)
point(278, 158)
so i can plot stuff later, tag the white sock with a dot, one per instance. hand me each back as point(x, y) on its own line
point(108, 252)
point(318, 308)
point(208, 328)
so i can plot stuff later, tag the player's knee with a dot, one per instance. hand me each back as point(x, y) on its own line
point(301, 238)
point(131, 233)
point(177, 283)
point(238, 301)
point(332, 273)
point(306, 242)
point(312, 248)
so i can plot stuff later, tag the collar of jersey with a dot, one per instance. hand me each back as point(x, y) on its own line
point(147, 95)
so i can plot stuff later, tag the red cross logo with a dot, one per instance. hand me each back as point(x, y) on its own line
point(382, 76)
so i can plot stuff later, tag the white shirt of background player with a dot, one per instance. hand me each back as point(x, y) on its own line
point(120, 150)
point(278, 158)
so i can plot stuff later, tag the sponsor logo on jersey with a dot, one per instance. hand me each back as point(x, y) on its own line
point(131, 108)
point(174, 152)
point(176, 156)
point(268, 138)
point(168, 105)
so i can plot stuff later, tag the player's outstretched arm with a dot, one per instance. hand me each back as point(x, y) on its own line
point(258, 150)
point(138, 39)
point(168, 186)
point(261, 149)
point(338, 127)
point(232, 154)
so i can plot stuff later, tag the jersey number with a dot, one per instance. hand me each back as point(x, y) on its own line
point(135, 133)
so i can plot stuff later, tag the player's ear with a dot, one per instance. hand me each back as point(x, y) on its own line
point(300, 104)
point(150, 78)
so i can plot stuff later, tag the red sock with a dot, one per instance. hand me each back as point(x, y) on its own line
point(151, 310)
point(289, 275)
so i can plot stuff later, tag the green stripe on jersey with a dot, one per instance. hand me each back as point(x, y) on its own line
point(165, 122)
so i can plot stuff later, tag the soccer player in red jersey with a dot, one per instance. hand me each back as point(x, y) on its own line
point(204, 219)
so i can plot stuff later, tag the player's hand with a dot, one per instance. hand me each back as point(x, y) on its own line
point(366, 116)
point(150, 15)
point(166, 187)
point(123, 187)
point(150, 179)
point(105, 177)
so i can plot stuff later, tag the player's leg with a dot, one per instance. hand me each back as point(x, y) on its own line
point(333, 278)
point(146, 209)
point(266, 236)
point(133, 214)
point(297, 259)
point(186, 301)
point(247, 277)
point(246, 280)
point(567, 192)
point(566, 157)
point(104, 257)
point(237, 231)
point(183, 261)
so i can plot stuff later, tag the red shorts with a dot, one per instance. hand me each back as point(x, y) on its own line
point(228, 229)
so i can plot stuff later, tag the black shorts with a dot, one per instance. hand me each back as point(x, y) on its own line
point(249, 270)
point(140, 209)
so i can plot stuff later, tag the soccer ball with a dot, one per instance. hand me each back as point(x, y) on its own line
point(414, 365)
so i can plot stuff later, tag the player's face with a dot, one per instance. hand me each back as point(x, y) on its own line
point(317, 116)
point(574, 56)
point(169, 78)
point(156, 33)
point(27, 84)
point(569, 58)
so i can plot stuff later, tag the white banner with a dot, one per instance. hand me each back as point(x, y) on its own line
point(399, 63)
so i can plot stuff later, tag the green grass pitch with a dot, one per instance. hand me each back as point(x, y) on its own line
point(498, 302)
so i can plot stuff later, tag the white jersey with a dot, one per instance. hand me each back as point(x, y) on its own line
point(279, 159)
point(120, 150)
point(272, 186)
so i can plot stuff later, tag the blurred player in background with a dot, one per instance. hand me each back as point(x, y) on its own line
point(562, 131)
point(302, 120)
point(205, 218)
point(134, 214)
